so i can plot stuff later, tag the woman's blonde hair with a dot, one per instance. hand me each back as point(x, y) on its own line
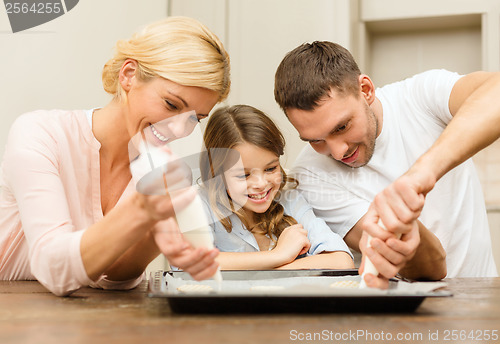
point(226, 128)
point(179, 49)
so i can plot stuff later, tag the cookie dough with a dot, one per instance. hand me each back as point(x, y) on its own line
point(345, 284)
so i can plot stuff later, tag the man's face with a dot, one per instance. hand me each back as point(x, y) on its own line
point(343, 127)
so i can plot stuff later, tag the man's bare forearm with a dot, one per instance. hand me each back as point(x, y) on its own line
point(429, 262)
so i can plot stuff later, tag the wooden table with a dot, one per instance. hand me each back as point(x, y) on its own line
point(30, 314)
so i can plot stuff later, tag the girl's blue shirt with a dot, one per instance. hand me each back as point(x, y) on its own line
point(321, 237)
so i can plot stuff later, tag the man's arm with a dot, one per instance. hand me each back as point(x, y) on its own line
point(475, 109)
point(427, 263)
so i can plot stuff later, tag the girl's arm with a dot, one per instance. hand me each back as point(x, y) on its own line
point(261, 260)
point(324, 260)
point(291, 243)
point(321, 236)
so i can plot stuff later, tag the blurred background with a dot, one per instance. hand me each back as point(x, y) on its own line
point(58, 64)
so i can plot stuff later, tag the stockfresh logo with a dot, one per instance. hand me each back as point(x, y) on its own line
point(26, 14)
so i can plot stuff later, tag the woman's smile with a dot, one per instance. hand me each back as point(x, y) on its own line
point(159, 136)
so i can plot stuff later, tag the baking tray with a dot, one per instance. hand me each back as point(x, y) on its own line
point(303, 297)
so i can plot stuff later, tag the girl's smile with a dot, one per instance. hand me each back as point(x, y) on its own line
point(260, 197)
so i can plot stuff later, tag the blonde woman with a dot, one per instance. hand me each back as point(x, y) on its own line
point(70, 215)
point(258, 220)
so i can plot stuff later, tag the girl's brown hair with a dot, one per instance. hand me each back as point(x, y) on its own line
point(226, 128)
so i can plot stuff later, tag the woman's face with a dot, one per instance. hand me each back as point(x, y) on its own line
point(163, 110)
point(253, 182)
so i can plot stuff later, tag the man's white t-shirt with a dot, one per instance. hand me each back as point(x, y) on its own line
point(415, 112)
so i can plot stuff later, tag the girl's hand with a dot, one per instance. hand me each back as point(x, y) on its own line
point(292, 242)
point(199, 263)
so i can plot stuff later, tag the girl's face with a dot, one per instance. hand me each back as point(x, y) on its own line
point(252, 183)
point(164, 110)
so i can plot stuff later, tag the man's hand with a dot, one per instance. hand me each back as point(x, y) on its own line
point(401, 203)
point(387, 253)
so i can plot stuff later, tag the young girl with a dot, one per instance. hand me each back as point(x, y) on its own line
point(255, 222)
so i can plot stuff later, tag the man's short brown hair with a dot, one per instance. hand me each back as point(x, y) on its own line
point(308, 73)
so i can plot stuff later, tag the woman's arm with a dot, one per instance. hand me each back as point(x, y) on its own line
point(138, 237)
point(125, 226)
point(66, 252)
point(133, 262)
point(103, 243)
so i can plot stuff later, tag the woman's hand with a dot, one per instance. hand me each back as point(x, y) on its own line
point(199, 263)
point(162, 193)
point(292, 242)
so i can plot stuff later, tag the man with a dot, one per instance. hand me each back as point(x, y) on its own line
point(382, 151)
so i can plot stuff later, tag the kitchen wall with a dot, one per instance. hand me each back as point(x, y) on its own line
point(59, 64)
